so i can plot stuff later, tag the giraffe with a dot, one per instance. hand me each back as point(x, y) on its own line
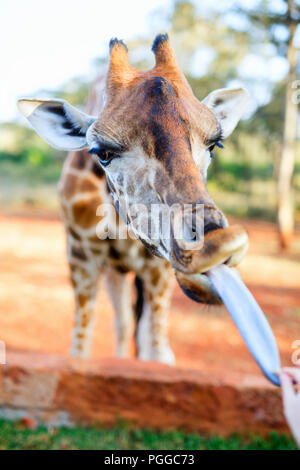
point(82, 189)
point(151, 143)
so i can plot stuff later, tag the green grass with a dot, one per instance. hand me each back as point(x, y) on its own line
point(16, 436)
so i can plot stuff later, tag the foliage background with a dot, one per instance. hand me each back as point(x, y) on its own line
point(217, 45)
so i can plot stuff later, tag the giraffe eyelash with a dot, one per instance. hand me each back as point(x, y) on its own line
point(210, 149)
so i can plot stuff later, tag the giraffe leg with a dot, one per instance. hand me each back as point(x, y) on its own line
point(152, 332)
point(84, 279)
point(119, 290)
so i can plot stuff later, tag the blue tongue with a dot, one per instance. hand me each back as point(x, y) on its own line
point(249, 319)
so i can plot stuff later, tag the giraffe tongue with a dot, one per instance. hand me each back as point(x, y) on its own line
point(249, 319)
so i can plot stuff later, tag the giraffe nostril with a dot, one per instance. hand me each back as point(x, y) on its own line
point(210, 227)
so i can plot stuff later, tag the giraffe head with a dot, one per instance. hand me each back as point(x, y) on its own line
point(154, 140)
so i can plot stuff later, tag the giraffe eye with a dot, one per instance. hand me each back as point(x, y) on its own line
point(104, 156)
point(210, 149)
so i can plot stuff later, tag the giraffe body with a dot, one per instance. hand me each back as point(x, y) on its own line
point(82, 189)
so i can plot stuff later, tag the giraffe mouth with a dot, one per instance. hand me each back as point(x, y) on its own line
point(198, 287)
point(221, 246)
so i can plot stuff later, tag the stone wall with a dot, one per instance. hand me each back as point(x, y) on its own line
point(57, 391)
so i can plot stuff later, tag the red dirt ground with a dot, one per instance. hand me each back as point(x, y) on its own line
point(36, 302)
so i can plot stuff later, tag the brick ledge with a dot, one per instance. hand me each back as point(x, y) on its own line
point(57, 390)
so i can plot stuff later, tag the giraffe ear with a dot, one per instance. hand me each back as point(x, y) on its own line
point(57, 122)
point(228, 106)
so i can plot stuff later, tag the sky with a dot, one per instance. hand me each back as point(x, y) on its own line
point(45, 43)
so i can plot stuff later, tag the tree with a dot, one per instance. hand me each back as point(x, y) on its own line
point(287, 160)
point(266, 21)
